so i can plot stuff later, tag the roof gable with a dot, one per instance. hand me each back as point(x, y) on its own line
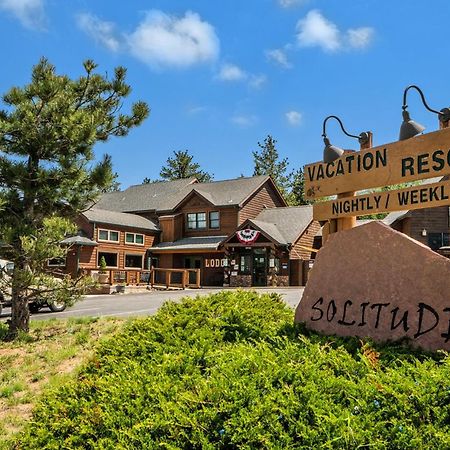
point(157, 196)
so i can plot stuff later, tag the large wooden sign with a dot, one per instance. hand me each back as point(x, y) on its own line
point(424, 156)
point(416, 197)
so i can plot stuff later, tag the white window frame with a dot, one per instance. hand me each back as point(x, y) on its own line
point(134, 239)
point(112, 253)
point(196, 227)
point(109, 235)
point(133, 254)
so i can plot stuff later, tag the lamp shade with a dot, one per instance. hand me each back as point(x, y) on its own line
point(331, 152)
point(409, 128)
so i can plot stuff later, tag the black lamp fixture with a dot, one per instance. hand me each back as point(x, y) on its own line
point(331, 152)
point(410, 128)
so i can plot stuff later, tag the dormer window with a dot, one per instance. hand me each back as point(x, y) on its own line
point(196, 221)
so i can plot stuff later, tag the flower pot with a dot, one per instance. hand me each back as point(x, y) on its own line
point(103, 278)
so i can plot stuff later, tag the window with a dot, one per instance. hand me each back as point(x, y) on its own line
point(245, 264)
point(110, 258)
point(438, 240)
point(214, 219)
point(108, 235)
point(57, 262)
point(196, 221)
point(133, 261)
point(134, 238)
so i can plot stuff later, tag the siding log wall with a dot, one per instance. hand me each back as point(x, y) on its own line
point(306, 240)
point(196, 204)
point(265, 197)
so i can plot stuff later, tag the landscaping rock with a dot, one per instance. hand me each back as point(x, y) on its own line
point(372, 281)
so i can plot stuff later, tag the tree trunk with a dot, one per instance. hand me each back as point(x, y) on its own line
point(20, 313)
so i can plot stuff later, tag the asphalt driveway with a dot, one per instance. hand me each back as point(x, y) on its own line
point(141, 304)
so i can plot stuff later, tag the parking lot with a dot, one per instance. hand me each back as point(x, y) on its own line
point(142, 303)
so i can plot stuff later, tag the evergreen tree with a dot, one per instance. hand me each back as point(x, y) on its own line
point(296, 195)
point(267, 162)
point(182, 166)
point(47, 171)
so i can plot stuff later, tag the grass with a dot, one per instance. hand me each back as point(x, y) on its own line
point(231, 371)
point(46, 358)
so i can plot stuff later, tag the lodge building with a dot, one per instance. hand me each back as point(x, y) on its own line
point(237, 232)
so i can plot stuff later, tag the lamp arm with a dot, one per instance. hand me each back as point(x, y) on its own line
point(324, 134)
point(421, 96)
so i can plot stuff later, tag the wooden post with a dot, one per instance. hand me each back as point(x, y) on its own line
point(167, 279)
point(197, 278)
point(152, 277)
point(345, 223)
point(111, 272)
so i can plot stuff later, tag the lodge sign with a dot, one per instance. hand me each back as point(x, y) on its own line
point(418, 319)
point(421, 157)
point(373, 281)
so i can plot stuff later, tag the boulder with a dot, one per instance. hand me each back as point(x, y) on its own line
point(372, 281)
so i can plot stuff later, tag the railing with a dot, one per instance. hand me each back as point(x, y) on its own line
point(178, 278)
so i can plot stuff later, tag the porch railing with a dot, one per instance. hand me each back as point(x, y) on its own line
point(159, 277)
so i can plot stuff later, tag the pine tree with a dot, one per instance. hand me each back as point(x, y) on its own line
point(47, 172)
point(267, 162)
point(296, 195)
point(182, 166)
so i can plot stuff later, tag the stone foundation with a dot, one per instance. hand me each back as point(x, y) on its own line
point(240, 280)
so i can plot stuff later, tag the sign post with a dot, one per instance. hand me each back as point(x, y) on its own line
point(373, 281)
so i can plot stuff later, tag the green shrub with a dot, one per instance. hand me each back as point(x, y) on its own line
point(231, 371)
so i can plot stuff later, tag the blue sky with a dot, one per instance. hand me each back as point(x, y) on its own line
point(221, 75)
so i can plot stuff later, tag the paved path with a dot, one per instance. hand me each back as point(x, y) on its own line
point(141, 304)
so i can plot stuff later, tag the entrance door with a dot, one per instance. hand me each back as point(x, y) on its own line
point(259, 267)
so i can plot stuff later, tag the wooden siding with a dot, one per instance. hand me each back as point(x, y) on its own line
point(196, 204)
point(265, 197)
point(306, 240)
point(88, 255)
point(171, 227)
point(434, 220)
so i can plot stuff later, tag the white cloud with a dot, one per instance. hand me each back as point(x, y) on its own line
point(102, 32)
point(279, 57)
point(231, 72)
point(257, 81)
point(194, 110)
point(244, 121)
point(315, 30)
point(168, 41)
point(289, 3)
point(294, 118)
point(29, 12)
point(360, 37)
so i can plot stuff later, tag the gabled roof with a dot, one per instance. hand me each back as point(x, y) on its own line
point(159, 195)
point(97, 215)
point(167, 195)
point(285, 225)
point(282, 225)
point(230, 192)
